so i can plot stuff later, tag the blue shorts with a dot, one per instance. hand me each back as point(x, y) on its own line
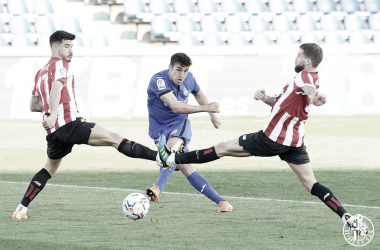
point(181, 130)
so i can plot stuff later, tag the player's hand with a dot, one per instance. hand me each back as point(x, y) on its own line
point(319, 99)
point(49, 122)
point(215, 120)
point(260, 95)
point(213, 107)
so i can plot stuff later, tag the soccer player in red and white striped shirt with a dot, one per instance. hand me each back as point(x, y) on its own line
point(54, 95)
point(284, 132)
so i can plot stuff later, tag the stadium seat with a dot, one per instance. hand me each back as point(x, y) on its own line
point(231, 6)
point(19, 25)
point(187, 39)
point(330, 23)
point(159, 6)
point(132, 8)
point(376, 38)
point(43, 40)
point(353, 22)
point(42, 7)
point(44, 25)
point(101, 16)
point(1, 8)
point(99, 41)
point(210, 24)
point(357, 37)
point(21, 40)
point(2, 28)
point(186, 24)
point(350, 6)
point(310, 37)
point(3, 43)
point(207, 6)
point(255, 6)
point(372, 5)
point(71, 25)
point(17, 7)
point(334, 38)
point(305, 23)
point(261, 39)
point(282, 23)
point(302, 6)
point(183, 6)
point(286, 39)
point(78, 42)
point(234, 24)
point(237, 40)
point(212, 40)
point(278, 6)
point(258, 24)
point(374, 22)
point(160, 25)
point(326, 6)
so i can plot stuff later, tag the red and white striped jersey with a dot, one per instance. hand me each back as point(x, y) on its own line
point(56, 70)
point(286, 124)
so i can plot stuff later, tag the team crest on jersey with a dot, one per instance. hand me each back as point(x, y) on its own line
point(185, 92)
point(161, 84)
point(62, 72)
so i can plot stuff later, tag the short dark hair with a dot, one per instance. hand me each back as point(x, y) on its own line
point(313, 52)
point(180, 58)
point(60, 35)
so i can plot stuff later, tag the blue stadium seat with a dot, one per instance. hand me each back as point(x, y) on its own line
point(184, 6)
point(185, 24)
point(258, 24)
point(357, 37)
point(212, 39)
point(302, 6)
point(207, 6)
point(261, 39)
point(159, 6)
point(44, 25)
point(282, 23)
point(2, 28)
point(372, 5)
point(17, 7)
point(99, 41)
point(160, 25)
point(71, 25)
point(278, 6)
point(1, 8)
point(43, 40)
point(231, 6)
point(334, 38)
point(306, 23)
point(255, 6)
point(310, 37)
point(353, 22)
point(187, 39)
point(3, 43)
point(132, 8)
point(374, 22)
point(237, 40)
point(210, 24)
point(376, 38)
point(19, 25)
point(234, 24)
point(350, 6)
point(21, 40)
point(286, 39)
point(78, 42)
point(42, 7)
point(326, 6)
point(330, 23)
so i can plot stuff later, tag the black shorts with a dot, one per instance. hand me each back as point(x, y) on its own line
point(258, 144)
point(60, 143)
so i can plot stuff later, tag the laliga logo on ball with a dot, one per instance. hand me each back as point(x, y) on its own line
point(361, 234)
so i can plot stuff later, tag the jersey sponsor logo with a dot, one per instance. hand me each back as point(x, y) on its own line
point(161, 84)
point(185, 92)
point(62, 72)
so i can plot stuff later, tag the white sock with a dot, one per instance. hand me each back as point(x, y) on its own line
point(22, 209)
point(171, 160)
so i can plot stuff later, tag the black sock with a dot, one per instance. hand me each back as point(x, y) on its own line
point(325, 195)
point(198, 156)
point(36, 185)
point(135, 150)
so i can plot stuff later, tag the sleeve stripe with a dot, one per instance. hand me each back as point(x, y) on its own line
point(165, 92)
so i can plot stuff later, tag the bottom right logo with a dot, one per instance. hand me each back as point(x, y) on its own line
point(361, 233)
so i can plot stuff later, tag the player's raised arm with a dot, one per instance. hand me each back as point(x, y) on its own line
point(260, 95)
point(201, 98)
point(35, 104)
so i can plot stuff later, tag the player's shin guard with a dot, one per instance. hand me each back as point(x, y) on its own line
point(325, 195)
point(198, 156)
point(36, 185)
point(203, 186)
point(135, 150)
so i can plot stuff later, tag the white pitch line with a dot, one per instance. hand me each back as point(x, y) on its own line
point(174, 193)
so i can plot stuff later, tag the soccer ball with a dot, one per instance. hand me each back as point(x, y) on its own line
point(135, 206)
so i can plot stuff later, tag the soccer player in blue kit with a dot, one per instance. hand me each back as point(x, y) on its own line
point(168, 94)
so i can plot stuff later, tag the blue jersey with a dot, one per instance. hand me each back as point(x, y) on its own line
point(160, 115)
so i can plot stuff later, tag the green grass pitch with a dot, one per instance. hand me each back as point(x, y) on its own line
point(81, 208)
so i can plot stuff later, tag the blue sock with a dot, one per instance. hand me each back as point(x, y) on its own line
point(163, 177)
point(203, 186)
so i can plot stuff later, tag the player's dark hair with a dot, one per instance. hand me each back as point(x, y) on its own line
point(180, 58)
point(313, 52)
point(59, 36)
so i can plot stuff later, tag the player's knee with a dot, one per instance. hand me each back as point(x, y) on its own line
point(221, 149)
point(186, 169)
point(114, 139)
